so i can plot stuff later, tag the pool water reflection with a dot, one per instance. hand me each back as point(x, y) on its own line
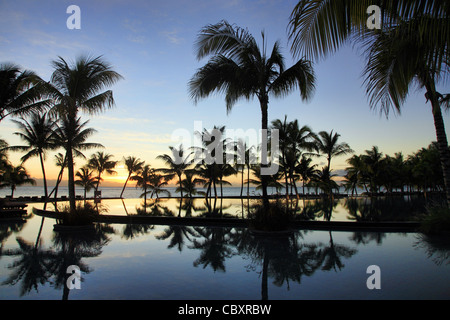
point(355, 209)
point(120, 261)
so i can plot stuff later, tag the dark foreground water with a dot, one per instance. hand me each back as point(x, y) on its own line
point(181, 262)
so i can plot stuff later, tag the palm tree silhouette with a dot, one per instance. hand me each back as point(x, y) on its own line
point(240, 69)
point(14, 176)
point(177, 163)
point(75, 88)
point(86, 180)
point(22, 92)
point(133, 165)
point(208, 168)
point(397, 60)
point(142, 178)
point(327, 145)
point(189, 183)
point(77, 133)
point(38, 134)
point(101, 162)
point(60, 161)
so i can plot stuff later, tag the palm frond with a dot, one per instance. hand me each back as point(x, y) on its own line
point(300, 75)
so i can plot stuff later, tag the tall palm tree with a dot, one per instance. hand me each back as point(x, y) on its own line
point(79, 87)
point(177, 163)
point(411, 47)
point(208, 167)
point(396, 61)
point(240, 68)
point(133, 165)
point(21, 91)
point(73, 135)
point(86, 179)
point(38, 134)
point(101, 162)
point(16, 176)
point(327, 144)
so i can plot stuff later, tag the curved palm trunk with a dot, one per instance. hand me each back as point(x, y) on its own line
point(43, 176)
point(441, 138)
point(125, 185)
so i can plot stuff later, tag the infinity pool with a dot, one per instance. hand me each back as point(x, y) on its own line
point(120, 261)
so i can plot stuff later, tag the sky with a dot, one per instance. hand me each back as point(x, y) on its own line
point(151, 44)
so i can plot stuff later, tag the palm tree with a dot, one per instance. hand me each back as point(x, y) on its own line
point(77, 133)
point(319, 28)
point(16, 176)
point(294, 140)
point(355, 173)
point(101, 162)
point(305, 170)
point(21, 91)
point(156, 184)
point(78, 87)
point(324, 180)
point(143, 178)
point(189, 183)
point(398, 60)
point(60, 161)
point(240, 69)
point(38, 134)
point(177, 163)
point(412, 47)
point(133, 165)
point(373, 167)
point(86, 180)
point(3, 157)
point(208, 168)
point(327, 144)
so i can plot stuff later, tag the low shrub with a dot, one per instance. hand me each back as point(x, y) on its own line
point(83, 214)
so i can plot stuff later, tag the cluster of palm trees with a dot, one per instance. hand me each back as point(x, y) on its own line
point(411, 48)
point(50, 111)
point(373, 172)
point(298, 147)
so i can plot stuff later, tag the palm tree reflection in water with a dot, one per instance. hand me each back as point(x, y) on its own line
point(286, 259)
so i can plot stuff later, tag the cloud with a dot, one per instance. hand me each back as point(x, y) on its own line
point(172, 36)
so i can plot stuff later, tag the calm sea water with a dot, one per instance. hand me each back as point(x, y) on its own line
point(114, 192)
point(122, 261)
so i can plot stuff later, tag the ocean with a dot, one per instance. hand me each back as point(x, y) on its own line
point(130, 192)
point(114, 192)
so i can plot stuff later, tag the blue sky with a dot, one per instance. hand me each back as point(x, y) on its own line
point(150, 43)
